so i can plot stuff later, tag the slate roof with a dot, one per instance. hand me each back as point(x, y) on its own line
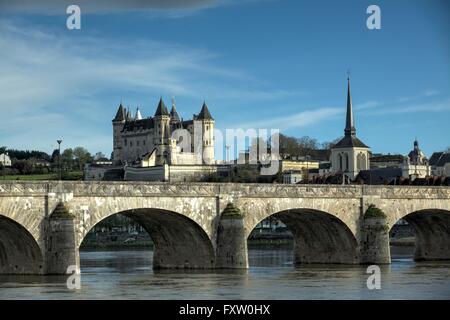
point(204, 113)
point(445, 158)
point(143, 124)
point(350, 142)
point(174, 114)
point(120, 115)
point(161, 110)
point(435, 157)
point(380, 175)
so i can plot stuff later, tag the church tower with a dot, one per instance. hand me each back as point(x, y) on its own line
point(350, 155)
point(118, 123)
point(207, 125)
point(162, 133)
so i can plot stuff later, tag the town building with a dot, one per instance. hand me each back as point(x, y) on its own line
point(440, 164)
point(293, 176)
point(415, 165)
point(5, 160)
point(379, 161)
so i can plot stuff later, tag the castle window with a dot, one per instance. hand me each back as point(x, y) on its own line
point(207, 128)
point(143, 142)
point(137, 143)
point(125, 142)
point(131, 143)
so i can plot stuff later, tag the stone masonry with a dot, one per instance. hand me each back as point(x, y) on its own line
point(186, 224)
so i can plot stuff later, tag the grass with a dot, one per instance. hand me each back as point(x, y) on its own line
point(74, 175)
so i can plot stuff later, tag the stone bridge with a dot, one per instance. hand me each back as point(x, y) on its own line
point(206, 225)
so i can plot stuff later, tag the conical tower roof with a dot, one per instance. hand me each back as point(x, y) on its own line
point(173, 112)
point(161, 110)
point(138, 115)
point(120, 115)
point(204, 113)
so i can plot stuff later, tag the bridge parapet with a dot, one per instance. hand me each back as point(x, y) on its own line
point(139, 189)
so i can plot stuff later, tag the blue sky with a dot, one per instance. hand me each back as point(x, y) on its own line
point(258, 63)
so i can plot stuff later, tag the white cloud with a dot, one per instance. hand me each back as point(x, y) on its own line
point(52, 85)
point(168, 8)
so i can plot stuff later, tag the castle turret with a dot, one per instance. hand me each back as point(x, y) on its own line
point(138, 115)
point(175, 122)
point(118, 123)
point(162, 133)
point(207, 124)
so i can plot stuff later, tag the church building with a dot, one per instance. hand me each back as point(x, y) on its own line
point(350, 155)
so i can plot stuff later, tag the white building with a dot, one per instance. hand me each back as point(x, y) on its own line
point(416, 165)
point(440, 164)
point(5, 159)
point(292, 176)
point(350, 155)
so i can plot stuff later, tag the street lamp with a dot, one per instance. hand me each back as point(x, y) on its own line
point(59, 157)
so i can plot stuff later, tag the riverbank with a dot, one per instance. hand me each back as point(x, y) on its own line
point(252, 244)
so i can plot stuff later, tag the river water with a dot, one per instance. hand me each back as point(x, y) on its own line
point(129, 275)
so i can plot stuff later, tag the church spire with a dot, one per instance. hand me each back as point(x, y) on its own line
point(349, 123)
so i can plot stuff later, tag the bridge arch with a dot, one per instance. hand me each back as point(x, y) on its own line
point(432, 233)
point(319, 237)
point(179, 241)
point(19, 250)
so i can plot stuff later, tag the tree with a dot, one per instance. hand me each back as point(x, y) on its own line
point(55, 156)
point(82, 156)
point(288, 145)
point(23, 166)
point(67, 158)
point(99, 155)
point(330, 144)
point(26, 154)
point(307, 143)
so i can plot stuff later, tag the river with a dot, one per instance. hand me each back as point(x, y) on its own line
point(129, 275)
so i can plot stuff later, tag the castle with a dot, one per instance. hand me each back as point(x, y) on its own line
point(164, 138)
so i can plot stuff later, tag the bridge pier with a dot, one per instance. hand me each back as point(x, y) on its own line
point(375, 238)
point(232, 250)
point(61, 248)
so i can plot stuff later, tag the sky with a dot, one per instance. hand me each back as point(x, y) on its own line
point(274, 64)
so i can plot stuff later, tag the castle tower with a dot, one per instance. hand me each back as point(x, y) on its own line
point(162, 133)
point(350, 155)
point(118, 123)
point(207, 125)
point(175, 121)
point(138, 115)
